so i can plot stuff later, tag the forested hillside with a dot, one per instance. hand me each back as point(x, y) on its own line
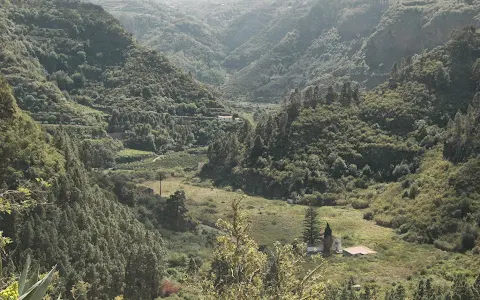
point(73, 223)
point(259, 51)
point(72, 63)
point(188, 42)
point(407, 148)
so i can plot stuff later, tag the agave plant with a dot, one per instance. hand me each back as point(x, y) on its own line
point(28, 288)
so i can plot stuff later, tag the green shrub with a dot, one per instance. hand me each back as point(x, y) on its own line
point(177, 260)
point(360, 204)
point(368, 215)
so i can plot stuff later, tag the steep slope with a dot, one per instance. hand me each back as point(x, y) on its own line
point(336, 38)
point(72, 63)
point(75, 223)
point(262, 50)
point(186, 41)
point(408, 148)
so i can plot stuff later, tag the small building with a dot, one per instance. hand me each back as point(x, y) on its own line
point(356, 287)
point(358, 251)
point(226, 118)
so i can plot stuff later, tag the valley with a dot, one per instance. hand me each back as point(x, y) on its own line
point(128, 129)
point(275, 220)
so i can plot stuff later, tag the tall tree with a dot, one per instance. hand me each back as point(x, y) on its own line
point(346, 95)
point(143, 274)
point(316, 96)
point(175, 213)
point(294, 106)
point(331, 95)
point(327, 240)
point(394, 71)
point(257, 150)
point(311, 226)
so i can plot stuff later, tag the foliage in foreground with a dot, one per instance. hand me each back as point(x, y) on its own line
point(240, 271)
point(28, 288)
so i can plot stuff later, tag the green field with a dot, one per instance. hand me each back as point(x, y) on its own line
point(275, 220)
point(148, 161)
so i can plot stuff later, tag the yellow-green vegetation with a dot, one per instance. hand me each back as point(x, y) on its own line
point(424, 201)
point(10, 293)
point(275, 220)
point(240, 271)
point(135, 160)
point(132, 155)
point(134, 152)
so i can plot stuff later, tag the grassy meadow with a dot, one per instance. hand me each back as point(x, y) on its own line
point(275, 220)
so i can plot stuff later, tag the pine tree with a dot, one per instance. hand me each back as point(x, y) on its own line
point(356, 94)
point(394, 71)
point(311, 231)
point(346, 95)
point(175, 212)
point(142, 274)
point(294, 106)
point(331, 95)
point(257, 150)
point(327, 240)
point(316, 96)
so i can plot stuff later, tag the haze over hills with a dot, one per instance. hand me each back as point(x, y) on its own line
point(259, 51)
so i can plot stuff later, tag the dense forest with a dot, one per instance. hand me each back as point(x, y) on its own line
point(75, 223)
point(124, 174)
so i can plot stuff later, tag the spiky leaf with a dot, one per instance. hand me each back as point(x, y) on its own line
point(39, 289)
point(23, 277)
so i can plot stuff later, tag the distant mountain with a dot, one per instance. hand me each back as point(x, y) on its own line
point(262, 50)
point(73, 63)
point(188, 42)
point(360, 40)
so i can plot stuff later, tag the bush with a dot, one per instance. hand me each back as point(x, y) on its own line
point(414, 191)
point(169, 288)
point(360, 204)
point(443, 245)
point(327, 199)
point(178, 260)
point(367, 171)
point(361, 183)
point(401, 170)
point(469, 237)
point(368, 215)
point(209, 211)
point(383, 221)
